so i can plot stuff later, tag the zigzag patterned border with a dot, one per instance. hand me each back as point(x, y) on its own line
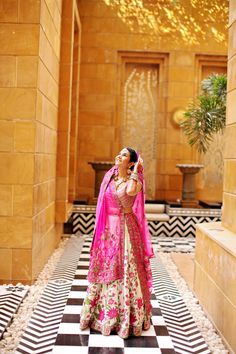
point(178, 226)
point(182, 226)
point(184, 333)
point(10, 300)
point(41, 332)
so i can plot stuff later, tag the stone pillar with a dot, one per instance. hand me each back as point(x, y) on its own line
point(215, 259)
point(29, 71)
point(189, 189)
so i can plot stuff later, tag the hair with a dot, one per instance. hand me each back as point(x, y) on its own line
point(133, 156)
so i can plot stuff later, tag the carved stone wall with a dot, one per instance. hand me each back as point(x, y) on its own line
point(140, 116)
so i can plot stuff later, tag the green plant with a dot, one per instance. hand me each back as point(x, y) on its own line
point(206, 116)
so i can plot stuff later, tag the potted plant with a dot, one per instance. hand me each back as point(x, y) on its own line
point(206, 116)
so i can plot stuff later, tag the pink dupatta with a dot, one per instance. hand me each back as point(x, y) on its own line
point(102, 257)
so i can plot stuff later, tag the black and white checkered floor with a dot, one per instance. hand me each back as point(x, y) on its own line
point(54, 325)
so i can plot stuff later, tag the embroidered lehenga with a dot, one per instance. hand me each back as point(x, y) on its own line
point(118, 295)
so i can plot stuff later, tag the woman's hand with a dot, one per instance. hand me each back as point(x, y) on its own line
point(138, 165)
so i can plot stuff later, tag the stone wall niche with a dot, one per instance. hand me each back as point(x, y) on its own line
point(141, 107)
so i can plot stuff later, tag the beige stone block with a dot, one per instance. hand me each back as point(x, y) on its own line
point(232, 12)
point(86, 179)
point(38, 222)
point(101, 102)
point(59, 5)
point(48, 56)
point(37, 263)
point(15, 232)
point(172, 195)
point(214, 257)
point(209, 193)
point(49, 28)
point(99, 55)
point(50, 216)
point(229, 176)
point(173, 136)
point(55, 14)
point(19, 39)
point(174, 151)
point(96, 118)
point(93, 133)
point(181, 89)
point(6, 265)
point(218, 307)
point(8, 10)
point(61, 213)
point(231, 107)
point(40, 137)
point(232, 40)
point(99, 148)
point(231, 84)
point(183, 58)
point(51, 165)
point(19, 167)
point(38, 174)
point(27, 71)
point(47, 84)
point(22, 200)
point(228, 211)
point(6, 200)
point(7, 71)
point(22, 264)
point(97, 86)
point(229, 139)
point(175, 182)
point(162, 182)
point(29, 11)
point(177, 103)
point(40, 197)
point(6, 136)
point(17, 103)
point(45, 167)
point(24, 137)
point(51, 191)
point(46, 112)
point(50, 141)
point(98, 71)
point(181, 74)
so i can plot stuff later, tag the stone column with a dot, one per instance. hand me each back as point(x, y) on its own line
point(215, 257)
point(29, 73)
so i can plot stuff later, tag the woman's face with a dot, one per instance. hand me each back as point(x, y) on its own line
point(122, 159)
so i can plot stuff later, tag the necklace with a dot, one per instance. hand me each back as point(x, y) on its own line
point(120, 180)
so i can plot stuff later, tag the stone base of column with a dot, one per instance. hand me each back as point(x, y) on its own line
point(215, 278)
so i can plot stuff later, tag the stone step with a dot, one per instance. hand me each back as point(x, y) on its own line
point(157, 217)
point(155, 208)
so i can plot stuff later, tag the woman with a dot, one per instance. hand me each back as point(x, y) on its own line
point(120, 280)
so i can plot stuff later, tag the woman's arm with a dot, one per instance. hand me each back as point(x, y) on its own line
point(134, 186)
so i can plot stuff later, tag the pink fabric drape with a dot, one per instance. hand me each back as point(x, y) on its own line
point(107, 246)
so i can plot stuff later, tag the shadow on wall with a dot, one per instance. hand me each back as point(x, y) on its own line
point(189, 21)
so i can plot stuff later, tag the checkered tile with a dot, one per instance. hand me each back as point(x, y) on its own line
point(72, 340)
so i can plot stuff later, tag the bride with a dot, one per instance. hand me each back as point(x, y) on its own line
point(120, 280)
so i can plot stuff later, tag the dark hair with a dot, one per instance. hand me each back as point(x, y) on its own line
point(133, 156)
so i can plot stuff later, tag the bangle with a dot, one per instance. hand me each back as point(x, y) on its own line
point(134, 176)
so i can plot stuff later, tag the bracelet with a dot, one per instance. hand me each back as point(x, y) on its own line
point(134, 176)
